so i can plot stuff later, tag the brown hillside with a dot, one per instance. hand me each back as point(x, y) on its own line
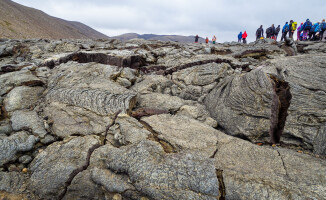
point(21, 22)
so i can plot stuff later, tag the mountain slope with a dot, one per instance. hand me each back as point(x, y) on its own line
point(20, 22)
point(178, 38)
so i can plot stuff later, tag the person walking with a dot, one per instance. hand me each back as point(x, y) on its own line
point(293, 27)
point(244, 37)
point(196, 38)
point(306, 28)
point(214, 39)
point(277, 30)
point(206, 40)
point(268, 32)
point(285, 30)
point(299, 32)
point(240, 37)
point(322, 29)
point(259, 32)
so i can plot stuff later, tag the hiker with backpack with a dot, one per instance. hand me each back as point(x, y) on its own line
point(259, 32)
point(314, 31)
point(206, 40)
point(244, 37)
point(293, 27)
point(273, 32)
point(285, 30)
point(240, 37)
point(277, 30)
point(322, 29)
point(299, 32)
point(306, 28)
point(269, 32)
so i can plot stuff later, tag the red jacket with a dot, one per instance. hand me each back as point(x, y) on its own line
point(244, 35)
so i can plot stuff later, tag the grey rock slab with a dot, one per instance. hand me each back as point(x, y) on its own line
point(181, 131)
point(25, 119)
point(160, 101)
point(22, 98)
point(83, 188)
point(111, 181)
point(13, 79)
point(58, 163)
point(242, 103)
point(86, 75)
point(165, 176)
point(72, 120)
point(152, 83)
point(12, 145)
point(203, 74)
point(259, 172)
point(127, 130)
point(307, 117)
point(13, 186)
point(198, 112)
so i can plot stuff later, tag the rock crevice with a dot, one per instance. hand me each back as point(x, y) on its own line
point(279, 108)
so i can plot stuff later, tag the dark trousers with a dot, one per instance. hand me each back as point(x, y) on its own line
point(244, 40)
point(239, 40)
point(283, 35)
point(310, 35)
point(321, 35)
point(291, 34)
point(313, 36)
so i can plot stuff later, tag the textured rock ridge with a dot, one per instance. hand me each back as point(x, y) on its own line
point(100, 102)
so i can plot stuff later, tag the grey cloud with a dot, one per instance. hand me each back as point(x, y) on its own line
point(223, 18)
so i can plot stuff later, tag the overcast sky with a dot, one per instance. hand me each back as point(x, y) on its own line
point(223, 18)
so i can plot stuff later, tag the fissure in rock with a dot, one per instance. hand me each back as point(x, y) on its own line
point(133, 62)
point(219, 174)
point(78, 170)
point(167, 147)
point(279, 108)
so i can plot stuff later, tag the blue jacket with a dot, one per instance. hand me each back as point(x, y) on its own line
point(286, 28)
point(317, 27)
point(304, 25)
point(314, 28)
point(240, 36)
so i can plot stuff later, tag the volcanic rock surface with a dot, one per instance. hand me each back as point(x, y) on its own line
point(105, 119)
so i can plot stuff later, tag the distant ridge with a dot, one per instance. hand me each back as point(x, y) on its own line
point(21, 22)
point(178, 38)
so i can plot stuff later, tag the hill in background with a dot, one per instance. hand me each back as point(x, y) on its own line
point(176, 38)
point(21, 22)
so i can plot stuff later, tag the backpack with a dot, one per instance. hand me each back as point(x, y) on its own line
point(268, 31)
point(294, 26)
point(308, 26)
point(323, 26)
point(285, 28)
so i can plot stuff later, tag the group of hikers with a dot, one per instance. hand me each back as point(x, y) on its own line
point(306, 31)
point(206, 40)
